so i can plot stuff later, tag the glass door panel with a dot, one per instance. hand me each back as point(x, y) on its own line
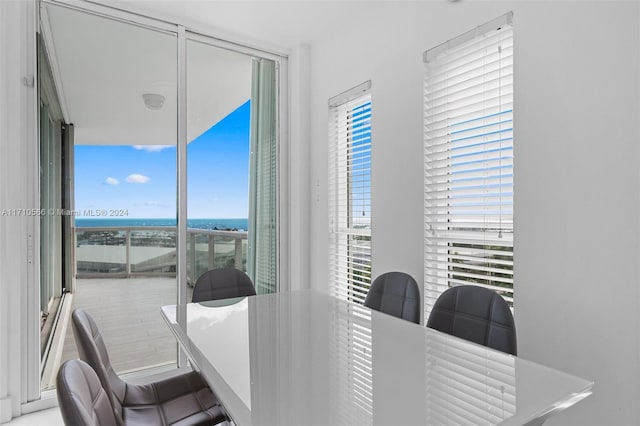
point(218, 129)
point(53, 259)
point(117, 84)
point(50, 224)
point(231, 164)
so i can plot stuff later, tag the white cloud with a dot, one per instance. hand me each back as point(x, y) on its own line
point(152, 148)
point(155, 204)
point(135, 178)
point(111, 181)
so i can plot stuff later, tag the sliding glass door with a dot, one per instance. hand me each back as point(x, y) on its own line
point(54, 136)
point(132, 87)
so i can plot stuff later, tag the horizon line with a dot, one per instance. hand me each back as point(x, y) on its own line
point(167, 218)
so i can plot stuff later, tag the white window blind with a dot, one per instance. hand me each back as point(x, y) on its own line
point(350, 194)
point(469, 161)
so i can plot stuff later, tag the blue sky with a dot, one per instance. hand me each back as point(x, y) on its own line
point(142, 180)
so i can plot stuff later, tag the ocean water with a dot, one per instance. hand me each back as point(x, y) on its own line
point(239, 224)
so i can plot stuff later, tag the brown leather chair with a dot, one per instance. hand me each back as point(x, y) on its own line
point(222, 283)
point(82, 399)
point(185, 399)
point(397, 294)
point(476, 314)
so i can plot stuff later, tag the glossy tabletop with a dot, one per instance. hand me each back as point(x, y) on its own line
point(305, 358)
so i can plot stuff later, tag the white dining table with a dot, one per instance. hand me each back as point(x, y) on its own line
point(306, 358)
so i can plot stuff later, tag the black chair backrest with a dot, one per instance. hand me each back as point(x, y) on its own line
point(476, 314)
point(397, 294)
point(82, 399)
point(222, 283)
point(93, 351)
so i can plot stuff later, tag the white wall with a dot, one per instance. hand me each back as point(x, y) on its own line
point(577, 232)
point(577, 118)
point(16, 158)
point(297, 261)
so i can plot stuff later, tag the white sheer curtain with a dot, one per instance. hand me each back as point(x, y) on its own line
point(263, 248)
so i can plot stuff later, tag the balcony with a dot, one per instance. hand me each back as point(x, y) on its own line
point(124, 275)
point(127, 252)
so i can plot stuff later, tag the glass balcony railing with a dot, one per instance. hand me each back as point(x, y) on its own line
point(151, 251)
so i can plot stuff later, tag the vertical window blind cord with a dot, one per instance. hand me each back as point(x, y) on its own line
point(500, 136)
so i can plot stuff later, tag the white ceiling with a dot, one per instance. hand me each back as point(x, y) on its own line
point(103, 67)
point(276, 24)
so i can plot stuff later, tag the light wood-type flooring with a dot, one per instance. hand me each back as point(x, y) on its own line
point(128, 313)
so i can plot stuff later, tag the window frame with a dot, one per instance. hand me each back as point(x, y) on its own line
point(350, 187)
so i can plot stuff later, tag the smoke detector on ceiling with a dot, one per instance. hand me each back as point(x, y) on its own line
point(153, 100)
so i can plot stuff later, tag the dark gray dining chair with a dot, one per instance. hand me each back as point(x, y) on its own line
point(81, 398)
point(397, 294)
point(222, 283)
point(184, 399)
point(476, 314)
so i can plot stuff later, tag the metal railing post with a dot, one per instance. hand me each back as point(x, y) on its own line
point(192, 247)
point(212, 250)
point(128, 253)
point(238, 254)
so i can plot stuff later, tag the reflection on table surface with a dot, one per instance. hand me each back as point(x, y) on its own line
point(303, 357)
